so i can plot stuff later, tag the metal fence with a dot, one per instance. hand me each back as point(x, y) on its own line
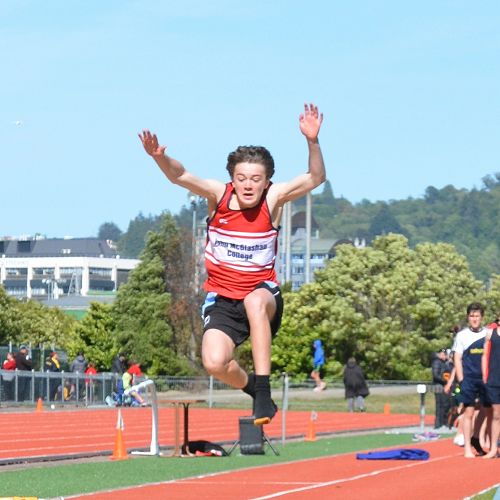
point(18, 386)
point(69, 389)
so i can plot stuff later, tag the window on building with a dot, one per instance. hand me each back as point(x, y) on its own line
point(17, 272)
point(70, 271)
point(100, 271)
point(43, 271)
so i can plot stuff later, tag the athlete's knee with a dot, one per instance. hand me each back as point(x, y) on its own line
point(214, 365)
point(259, 303)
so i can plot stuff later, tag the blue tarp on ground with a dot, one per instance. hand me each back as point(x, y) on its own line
point(397, 454)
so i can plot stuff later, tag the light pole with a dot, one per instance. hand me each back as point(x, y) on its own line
point(194, 205)
point(50, 288)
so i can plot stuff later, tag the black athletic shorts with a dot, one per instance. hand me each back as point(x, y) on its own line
point(229, 315)
point(472, 389)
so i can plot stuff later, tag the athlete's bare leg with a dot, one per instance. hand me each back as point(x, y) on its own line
point(260, 307)
point(467, 428)
point(495, 432)
point(217, 351)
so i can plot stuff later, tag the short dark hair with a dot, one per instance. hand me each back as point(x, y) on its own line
point(475, 306)
point(251, 154)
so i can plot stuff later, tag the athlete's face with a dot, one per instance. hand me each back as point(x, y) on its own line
point(249, 181)
point(475, 318)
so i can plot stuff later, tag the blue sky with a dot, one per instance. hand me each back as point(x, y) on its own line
point(409, 90)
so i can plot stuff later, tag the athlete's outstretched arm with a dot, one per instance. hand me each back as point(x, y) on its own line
point(310, 124)
point(175, 171)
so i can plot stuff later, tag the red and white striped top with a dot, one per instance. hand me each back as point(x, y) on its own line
point(241, 248)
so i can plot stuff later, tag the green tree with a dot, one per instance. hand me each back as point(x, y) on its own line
point(94, 336)
point(149, 322)
point(132, 242)
point(109, 231)
point(32, 322)
point(384, 222)
point(388, 305)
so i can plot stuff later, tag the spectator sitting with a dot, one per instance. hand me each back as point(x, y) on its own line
point(129, 379)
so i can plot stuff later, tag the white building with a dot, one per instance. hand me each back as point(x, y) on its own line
point(321, 250)
point(49, 269)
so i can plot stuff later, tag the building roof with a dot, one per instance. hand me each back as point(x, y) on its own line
point(57, 247)
point(299, 221)
point(318, 245)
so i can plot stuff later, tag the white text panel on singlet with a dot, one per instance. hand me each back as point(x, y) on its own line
point(239, 250)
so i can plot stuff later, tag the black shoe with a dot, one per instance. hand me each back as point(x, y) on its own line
point(474, 441)
point(264, 410)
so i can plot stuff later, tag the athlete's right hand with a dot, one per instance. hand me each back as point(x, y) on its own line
point(150, 144)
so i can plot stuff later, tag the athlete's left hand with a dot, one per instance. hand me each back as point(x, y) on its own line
point(310, 121)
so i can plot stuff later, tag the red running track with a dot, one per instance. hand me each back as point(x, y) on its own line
point(86, 431)
point(447, 475)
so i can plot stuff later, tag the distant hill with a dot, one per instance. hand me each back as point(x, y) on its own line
point(468, 219)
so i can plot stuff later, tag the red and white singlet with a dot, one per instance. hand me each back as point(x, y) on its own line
point(241, 248)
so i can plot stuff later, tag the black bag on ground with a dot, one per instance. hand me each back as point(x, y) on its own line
point(207, 447)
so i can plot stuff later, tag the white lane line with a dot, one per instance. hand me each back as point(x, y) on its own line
point(353, 478)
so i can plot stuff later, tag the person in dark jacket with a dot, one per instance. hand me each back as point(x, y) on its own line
point(119, 364)
point(79, 365)
point(356, 389)
point(23, 363)
point(440, 376)
point(119, 367)
point(53, 365)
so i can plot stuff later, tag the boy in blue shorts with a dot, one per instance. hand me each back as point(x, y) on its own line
point(468, 349)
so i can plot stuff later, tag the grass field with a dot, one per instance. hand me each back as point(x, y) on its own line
point(333, 401)
point(56, 480)
point(61, 480)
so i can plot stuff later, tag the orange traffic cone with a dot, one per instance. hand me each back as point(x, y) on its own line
point(39, 405)
point(387, 409)
point(120, 451)
point(311, 428)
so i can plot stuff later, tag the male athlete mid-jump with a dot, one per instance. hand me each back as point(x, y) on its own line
point(243, 298)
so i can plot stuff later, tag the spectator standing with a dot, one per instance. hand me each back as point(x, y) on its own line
point(356, 389)
point(318, 362)
point(119, 367)
point(79, 365)
point(119, 364)
point(23, 363)
point(468, 349)
point(52, 365)
point(440, 376)
point(90, 382)
point(8, 379)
